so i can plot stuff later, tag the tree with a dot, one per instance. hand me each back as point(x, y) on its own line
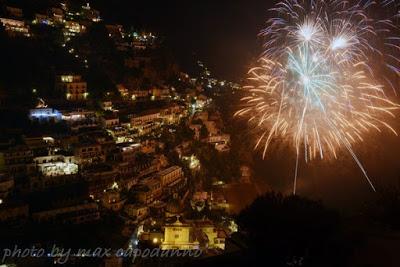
point(386, 209)
point(292, 231)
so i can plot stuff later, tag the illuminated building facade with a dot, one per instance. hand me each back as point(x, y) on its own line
point(56, 165)
point(139, 94)
point(149, 191)
point(112, 200)
point(42, 19)
point(178, 235)
point(14, 27)
point(110, 121)
point(90, 14)
point(88, 153)
point(72, 28)
point(144, 119)
point(74, 87)
point(170, 175)
point(137, 211)
point(45, 114)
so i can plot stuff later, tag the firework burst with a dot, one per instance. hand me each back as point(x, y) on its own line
point(321, 82)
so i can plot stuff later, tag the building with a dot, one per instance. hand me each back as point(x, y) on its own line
point(128, 152)
point(137, 62)
point(218, 201)
point(219, 139)
point(214, 238)
point(179, 236)
point(14, 12)
point(160, 92)
point(143, 40)
point(6, 186)
point(222, 147)
point(170, 176)
point(109, 121)
point(73, 86)
point(45, 115)
point(14, 212)
point(90, 13)
point(39, 142)
point(191, 235)
point(56, 14)
point(88, 153)
point(120, 134)
point(42, 19)
point(137, 211)
point(245, 176)
point(136, 94)
point(17, 160)
point(149, 191)
point(106, 105)
point(14, 27)
point(115, 31)
point(114, 261)
point(123, 90)
point(72, 28)
point(172, 114)
point(147, 168)
point(146, 121)
point(183, 148)
point(149, 116)
point(112, 200)
point(70, 214)
point(211, 127)
point(149, 146)
point(72, 116)
point(56, 165)
point(203, 116)
point(100, 177)
point(196, 128)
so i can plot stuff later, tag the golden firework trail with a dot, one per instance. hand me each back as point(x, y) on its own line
point(321, 83)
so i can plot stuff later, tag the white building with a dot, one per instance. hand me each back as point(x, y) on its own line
point(56, 165)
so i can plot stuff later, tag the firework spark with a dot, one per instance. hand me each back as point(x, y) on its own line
point(316, 85)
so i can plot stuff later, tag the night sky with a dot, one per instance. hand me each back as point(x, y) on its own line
point(222, 33)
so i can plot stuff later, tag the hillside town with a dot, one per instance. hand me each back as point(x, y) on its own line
point(199, 133)
point(132, 153)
